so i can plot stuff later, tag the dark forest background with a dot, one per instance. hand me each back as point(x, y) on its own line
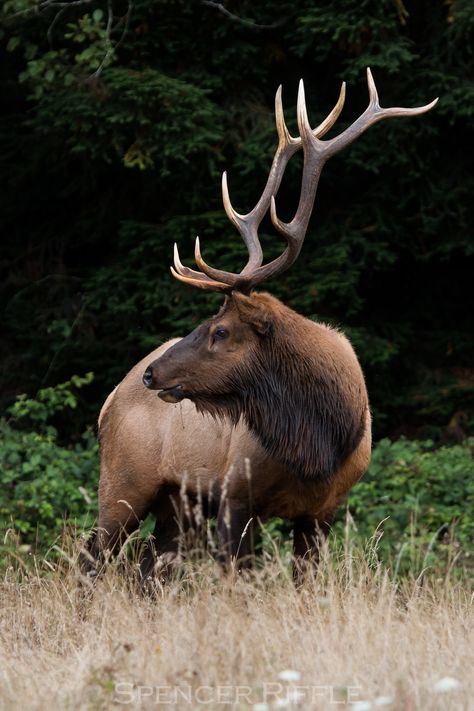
point(117, 120)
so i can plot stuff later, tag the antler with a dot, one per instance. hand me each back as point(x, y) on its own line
point(316, 153)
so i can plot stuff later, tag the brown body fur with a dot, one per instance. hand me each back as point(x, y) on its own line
point(151, 449)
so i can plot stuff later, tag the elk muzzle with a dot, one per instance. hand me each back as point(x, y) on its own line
point(152, 381)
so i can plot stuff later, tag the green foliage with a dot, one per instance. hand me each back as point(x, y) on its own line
point(46, 486)
point(170, 119)
point(48, 401)
point(48, 71)
point(368, 32)
point(420, 501)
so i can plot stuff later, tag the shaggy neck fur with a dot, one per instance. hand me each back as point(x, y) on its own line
point(300, 391)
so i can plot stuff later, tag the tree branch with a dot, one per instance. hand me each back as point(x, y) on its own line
point(112, 48)
point(45, 5)
point(248, 23)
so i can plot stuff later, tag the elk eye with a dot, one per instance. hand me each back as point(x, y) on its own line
point(220, 334)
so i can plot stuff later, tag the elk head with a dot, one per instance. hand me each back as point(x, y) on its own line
point(209, 365)
point(199, 365)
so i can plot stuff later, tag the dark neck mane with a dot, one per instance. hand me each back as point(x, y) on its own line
point(300, 402)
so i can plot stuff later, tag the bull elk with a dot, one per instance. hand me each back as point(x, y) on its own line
point(260, 411)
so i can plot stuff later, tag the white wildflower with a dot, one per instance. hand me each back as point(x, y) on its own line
point(447, 683)
point(361, 706)
point(289, 675)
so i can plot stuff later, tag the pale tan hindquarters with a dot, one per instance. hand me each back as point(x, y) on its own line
point(149, 447)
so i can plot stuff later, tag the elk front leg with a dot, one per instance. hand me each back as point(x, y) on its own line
point(121, 509)
point(161, 550)
point(173, 524)
point(309, 535)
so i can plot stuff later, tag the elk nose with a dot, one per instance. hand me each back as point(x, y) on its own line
point(148, 377)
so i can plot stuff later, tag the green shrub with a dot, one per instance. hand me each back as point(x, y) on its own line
point(425, 499)
point(46, 486)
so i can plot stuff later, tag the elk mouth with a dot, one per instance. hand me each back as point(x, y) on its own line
point(173, 394)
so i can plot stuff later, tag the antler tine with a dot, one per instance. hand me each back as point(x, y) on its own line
point(302, 112)
point(180, 268)
point(373, 113)
point(218, 275)
point(247, 228)
point(209, 285)
point(284, 135)
point(233, 216)
point(331, 118)
point(373, 94)
point(190, 276)
point(186, 271)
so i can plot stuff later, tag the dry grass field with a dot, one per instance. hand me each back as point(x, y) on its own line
point(351, 638)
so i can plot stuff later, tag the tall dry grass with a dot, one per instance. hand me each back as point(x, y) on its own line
point(353, 637)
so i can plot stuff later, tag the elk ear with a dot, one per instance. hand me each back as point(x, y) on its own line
point(253, 312)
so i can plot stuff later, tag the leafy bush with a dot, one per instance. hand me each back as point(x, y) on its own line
point(425, 499)
point(45, 485)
